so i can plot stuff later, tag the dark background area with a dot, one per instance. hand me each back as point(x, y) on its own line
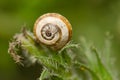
point(89, 18)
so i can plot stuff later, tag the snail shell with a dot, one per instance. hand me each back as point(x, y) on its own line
point(52, 29)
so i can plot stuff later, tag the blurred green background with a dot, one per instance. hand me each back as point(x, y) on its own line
point(89, 18)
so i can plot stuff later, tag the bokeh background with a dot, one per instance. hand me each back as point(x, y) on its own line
point(89, 18)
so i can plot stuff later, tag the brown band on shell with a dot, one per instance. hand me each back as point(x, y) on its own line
point(60, 32)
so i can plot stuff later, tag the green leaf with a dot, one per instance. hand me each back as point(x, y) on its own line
point(45, 74)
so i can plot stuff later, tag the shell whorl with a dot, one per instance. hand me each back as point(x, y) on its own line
point(53, 29)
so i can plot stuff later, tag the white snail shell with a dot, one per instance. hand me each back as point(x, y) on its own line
point(53, 29)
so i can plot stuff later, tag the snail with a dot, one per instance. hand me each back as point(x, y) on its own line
point(53, 29)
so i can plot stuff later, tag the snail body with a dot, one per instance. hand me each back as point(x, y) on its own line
point(52, 29)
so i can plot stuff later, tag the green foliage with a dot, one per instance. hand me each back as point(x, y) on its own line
point(89, 18)
point(73, 62)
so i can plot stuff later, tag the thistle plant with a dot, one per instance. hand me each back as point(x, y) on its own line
point(75, 61)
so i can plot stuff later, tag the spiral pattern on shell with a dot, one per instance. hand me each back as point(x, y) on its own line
point(53, 29)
